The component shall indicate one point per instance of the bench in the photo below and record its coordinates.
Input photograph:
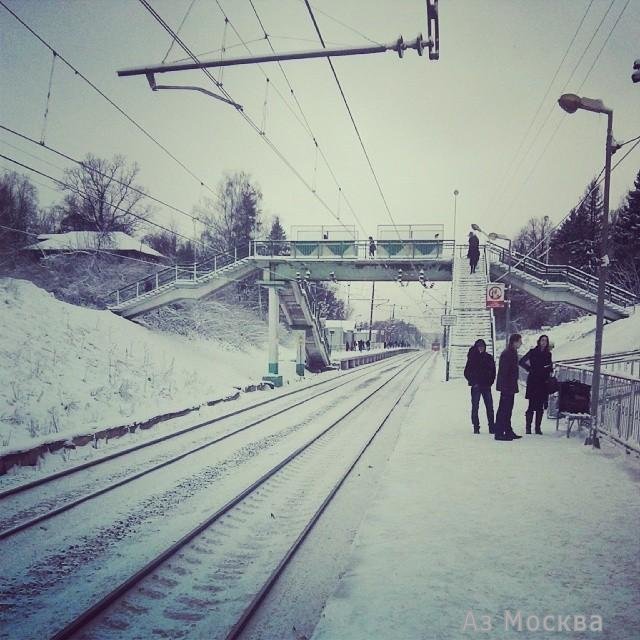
(581, 419)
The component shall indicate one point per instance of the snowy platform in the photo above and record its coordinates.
(533, 537)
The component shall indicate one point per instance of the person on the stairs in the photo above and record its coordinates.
(474, 251)
(372, 247)
(507, 385)
(538, 363)
(480, 372)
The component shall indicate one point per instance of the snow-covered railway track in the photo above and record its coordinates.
(29, 505)
(211, 581)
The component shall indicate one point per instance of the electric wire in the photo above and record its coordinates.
(553, 106)
(108, 99)
(599, 180)
(101, 173)
(306, 120)
(511, 163)
(561, 121)
(242, 113)
(353, 122)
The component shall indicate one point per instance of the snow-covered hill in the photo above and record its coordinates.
(66, 369)
(576, 339)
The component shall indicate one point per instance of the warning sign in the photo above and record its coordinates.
(495, 295)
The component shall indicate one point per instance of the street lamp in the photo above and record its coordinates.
(456, 193)
(507, 321)
(570, 103)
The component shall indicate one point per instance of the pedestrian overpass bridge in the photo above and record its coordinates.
(287, 267)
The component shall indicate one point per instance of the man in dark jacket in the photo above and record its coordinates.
(480, 372)
(473, 252)
(507, 385)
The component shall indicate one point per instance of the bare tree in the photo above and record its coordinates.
(102, 195)
(18, 211)
(531, 237)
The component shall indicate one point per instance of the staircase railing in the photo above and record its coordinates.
(314, 305)
(559, 273)
(194, 272)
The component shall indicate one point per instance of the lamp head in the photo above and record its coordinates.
(475, 227)
(456, 192)
(569, 102)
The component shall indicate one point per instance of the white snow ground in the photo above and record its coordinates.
(461, 523)
(66, 369)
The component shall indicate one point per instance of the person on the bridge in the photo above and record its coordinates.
(372, 247)
(507, 385)
(480, 372)
(538, 363)
(474, 251)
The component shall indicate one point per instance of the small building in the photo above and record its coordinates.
(117, 242)
(341, 332)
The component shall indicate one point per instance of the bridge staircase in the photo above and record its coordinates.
(302, 312)
(474, 320)
(180, 282)
(558, 283)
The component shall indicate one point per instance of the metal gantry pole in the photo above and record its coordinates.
(602, 282)
(373, 295)
(507, 323)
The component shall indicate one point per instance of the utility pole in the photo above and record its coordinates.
(373, 295)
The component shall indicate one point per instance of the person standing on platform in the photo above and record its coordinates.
(507, 385)
(538, 364)
(474, 251)
(372, 247)
(480, 372)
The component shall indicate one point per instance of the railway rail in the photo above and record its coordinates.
(213, 579)
(43, 506)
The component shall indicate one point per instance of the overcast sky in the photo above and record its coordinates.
(429, 127)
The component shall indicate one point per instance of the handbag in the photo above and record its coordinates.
(553, 386)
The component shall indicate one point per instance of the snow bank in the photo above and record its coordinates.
(575, 339)
(66, 369)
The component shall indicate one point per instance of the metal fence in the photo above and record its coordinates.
(618, 406)
(624, 362)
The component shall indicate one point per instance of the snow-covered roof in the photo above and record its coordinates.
(91, 241)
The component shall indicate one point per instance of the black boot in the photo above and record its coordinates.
(476, 429)
(529, 418)
(538, 422)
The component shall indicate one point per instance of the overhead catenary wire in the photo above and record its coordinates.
(101, 173)
(562, 119)
(599, 180)
(107, 98)
(549, 113)
(302, 118)
(241, 112)
(353, 122)
(511, 163)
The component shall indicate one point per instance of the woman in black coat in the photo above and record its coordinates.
(537, 362)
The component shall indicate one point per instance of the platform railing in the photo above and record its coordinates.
(562, 274)
(618, 405)
(623, 362)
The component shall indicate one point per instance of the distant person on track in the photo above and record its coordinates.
(372, 247)
(507, 385)
(474, 251)
(480, 372)
(538, 364)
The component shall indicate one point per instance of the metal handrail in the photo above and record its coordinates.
(626, 363)
(192, 272)
(398, 249)
(559, 273)
(618, 405)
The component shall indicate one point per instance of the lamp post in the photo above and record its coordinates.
(456, 193)
(547, 240)
(570, 103)
(507, 321)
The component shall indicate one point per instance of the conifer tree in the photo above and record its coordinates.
(576, 243)
(625, 238)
